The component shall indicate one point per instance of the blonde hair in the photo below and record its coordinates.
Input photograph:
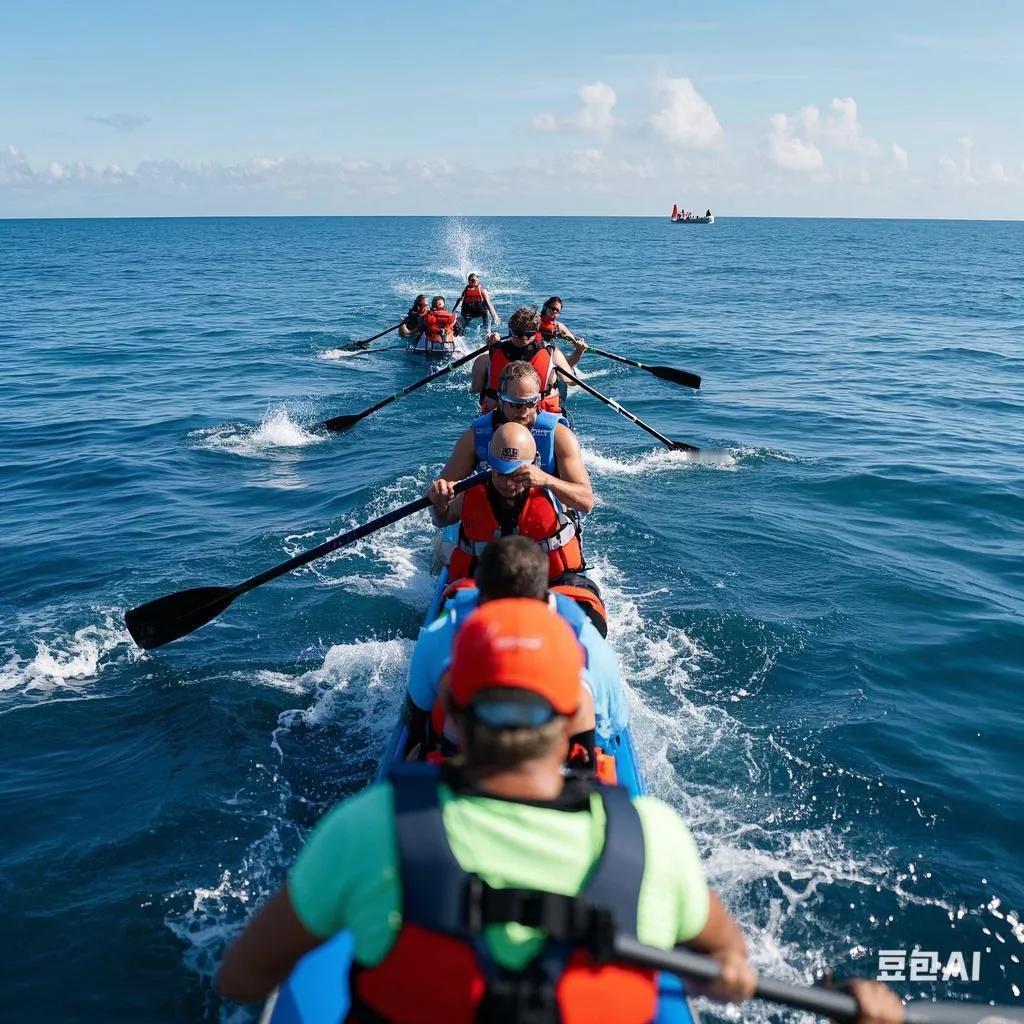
(519, 370)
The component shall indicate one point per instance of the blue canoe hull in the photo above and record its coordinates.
(317, 991)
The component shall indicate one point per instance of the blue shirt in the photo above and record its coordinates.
(433, 652)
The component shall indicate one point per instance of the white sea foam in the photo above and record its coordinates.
(69, 663)
(277, 431)
(660, 460)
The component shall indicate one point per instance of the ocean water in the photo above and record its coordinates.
(821, 628)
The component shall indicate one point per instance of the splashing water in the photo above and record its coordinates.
(661, 460)
(68, 663)
(277, 430)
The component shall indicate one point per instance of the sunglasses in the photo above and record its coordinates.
(526, 400)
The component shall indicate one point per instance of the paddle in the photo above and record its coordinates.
(839, 1005)
(354, 346)
(675, 446)
(176, 615)
(344, 422)
(687, 380)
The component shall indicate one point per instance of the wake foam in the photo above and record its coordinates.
(276, 431)
(69, 663)
(661, 460)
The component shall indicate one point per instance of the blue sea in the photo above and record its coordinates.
(821, 625)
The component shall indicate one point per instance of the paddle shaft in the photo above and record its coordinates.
(669, 373)
(381, 335)
(612, 404)
(355, 418)
(832, 1003)
(350, 537)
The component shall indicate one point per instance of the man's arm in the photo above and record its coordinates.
(722, 939)
(264, 954)
(480, 366)
(579, 347)
(490, 305)
(572, 486)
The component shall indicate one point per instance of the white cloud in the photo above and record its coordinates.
(790, 152)
(120, 122)
(596, 114)
(899, 154)
(685, 119)
(798, 142)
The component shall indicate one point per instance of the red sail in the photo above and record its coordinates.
(675, 212)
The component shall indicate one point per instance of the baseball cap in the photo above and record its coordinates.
(516, 664)
(506, 461)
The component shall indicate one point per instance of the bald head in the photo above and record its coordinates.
(512, 442)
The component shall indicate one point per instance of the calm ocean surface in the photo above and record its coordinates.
(823, 632)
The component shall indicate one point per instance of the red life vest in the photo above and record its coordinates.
(438, 323)
(440, 968)
(548, 328)
(541, 519)
(541, 358)
(473, 300)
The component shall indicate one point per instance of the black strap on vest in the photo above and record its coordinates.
(439, 895)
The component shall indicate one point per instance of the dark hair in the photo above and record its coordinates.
(552, 301)
(477, 276)
(435, 300)
(416, 302)
(512, 567)
(524, 322)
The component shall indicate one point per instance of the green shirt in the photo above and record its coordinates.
(346, 877)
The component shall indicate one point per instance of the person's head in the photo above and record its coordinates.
(523, 324)
(552, 308)
(519, 393)
(473, 280)
(437, 302)
(512, 447)
(515, 682)
(512, 567)
(420, 304)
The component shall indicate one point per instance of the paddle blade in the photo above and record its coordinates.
(684, 446)
(341, 422)
(356, 346)
(169, 618)
(688, 380)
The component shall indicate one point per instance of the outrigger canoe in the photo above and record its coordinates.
(317, 991)
(694, 220)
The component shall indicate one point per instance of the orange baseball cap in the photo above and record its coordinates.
(516, 663)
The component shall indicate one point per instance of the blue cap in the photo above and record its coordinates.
(507, 462)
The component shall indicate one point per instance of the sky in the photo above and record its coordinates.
(825, 108)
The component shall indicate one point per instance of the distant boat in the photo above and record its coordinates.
(685, 217)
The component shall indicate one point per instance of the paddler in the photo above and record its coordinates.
(476, 305)
(412, 325)
(513, 567)
(524, 344)
(416, 867)
(439, 325)
(518, 498)
(559, 464)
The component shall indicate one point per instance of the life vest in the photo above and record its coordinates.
(472, 301)
(541, 518)
(441, 969)
(540, 356)
(543, 433)
(438, 323)
(548, 328)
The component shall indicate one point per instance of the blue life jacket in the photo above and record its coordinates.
(543, 433)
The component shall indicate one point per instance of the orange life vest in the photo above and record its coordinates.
(541, 358)
(541, 519)
(548, 328)
(440, 968)
(438, 323)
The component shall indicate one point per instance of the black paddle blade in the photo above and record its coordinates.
(355, 346)
(688, 380)
(683, 446)
(341, 422)
(169, 618)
